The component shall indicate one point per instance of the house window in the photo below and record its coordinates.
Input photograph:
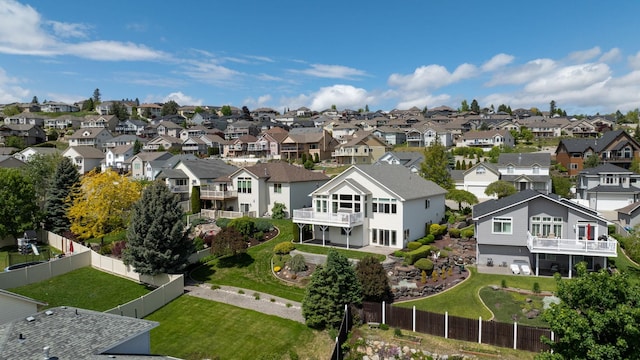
(374, 236)
(502, 225)
(480, 170)
(385, 206)
(277, 188)
(573, 166)
(321, 204)
(546, 226)
(536, 169)
(627, 153)
(406, 234)
(244, 208)
(181, 182)
(510, 169)
(427, 203)
(244, 185)
(386, 237)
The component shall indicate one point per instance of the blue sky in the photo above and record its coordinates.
(585, 54)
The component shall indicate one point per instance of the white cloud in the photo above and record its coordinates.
(9, 91)
(24, 32)
(584, 55)
(569, 78)
(210, 72)
(497, 62)
(262, 101)
(610, 56)
(431, 77)
(65, 98)
(634, 61)
(182, 99)
(342, 96)
(426, 100)
(523, 73)
(331, 71)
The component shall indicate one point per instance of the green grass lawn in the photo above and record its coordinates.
(85, 288)
(464, 301)
(9, 255)
(252, 270)
(507, 306)
(193, 328)
(351, 254)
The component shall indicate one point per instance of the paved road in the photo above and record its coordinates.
(267, 304)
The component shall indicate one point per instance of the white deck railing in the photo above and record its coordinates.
(308, 215)
(572, 246)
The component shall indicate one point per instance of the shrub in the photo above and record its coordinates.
(503, 283)
(536, 288)
(429, 239)
(611, 229)
(244, 225)
(223, 222)
(443, 254)
(198, 243)
(278, 211)
(240, 291)
(256, 296)
(434, 229)
(412, 245)
(259, 235)
(422, 252)
(424, 265)
(117, 247)
(384, 327)
(454, 233)
(284, 248)
(105, 249)
(466, 233)
(297, 263)
(198, 221)
(262, 225)
(277, 268)
(397, 332)
(399, 253)
(308, 164)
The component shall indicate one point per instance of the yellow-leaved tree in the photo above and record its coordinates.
(102, 204)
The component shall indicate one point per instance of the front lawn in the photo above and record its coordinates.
(85, 288)
(194, 328)
(463, 300)
(350, 254)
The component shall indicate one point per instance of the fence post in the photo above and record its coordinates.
(480, 330)
(446, 324)
(384, 313)
(553, 338)
(515, 335)
(414, 319)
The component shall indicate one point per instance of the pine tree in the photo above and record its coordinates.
(374, 280)
(65, 179)
(157, 240)
(332, 286)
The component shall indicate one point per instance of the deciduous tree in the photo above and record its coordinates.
(591, 161)
(228, 242)
(41, 170)
(434, 167)
(226, 110)
(500, 189)
(598, 317)
(169, 108)
(18, 206)
(461, 196)
(332, 286)
(157, 240)
(65, 179)
(102, 204)
(374, 280)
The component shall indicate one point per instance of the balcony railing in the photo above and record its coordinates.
(572, 246)
(179, 188)
(218, 194)
(309, 216)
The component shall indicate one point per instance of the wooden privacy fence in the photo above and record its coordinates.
(514, 336)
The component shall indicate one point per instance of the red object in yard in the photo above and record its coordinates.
(588, 231)
(71, 246)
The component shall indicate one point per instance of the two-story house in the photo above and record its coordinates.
(476, 179)
(409, 159)
(362, 147)
(308, 141)
(108, 122)
(116, 158)
(96, 137)
(526, 171)
(131, 127)
(30, 134)
(85, 158)
(550, 233)
(187, 173)
(613, 147)
(142, 164)
(486, 140)
(607, 187)
(383, 205)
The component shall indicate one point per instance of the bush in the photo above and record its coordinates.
(424, 265)
(117, 247)
(105, 250)
(412, 245)
(244, 225)
(278, 211)
(467, 233)
(399, 253)
(284, 248)
(429, 239)
(308, 164)
(262, 225)
(297, 263)
(443, 254)
(536, 288)
(454, 233)
(198, 221)
(397, 332)
(384, 327)
(259, 235)
(223, 222)
(198, 243)
(422, 252)
(503, 283)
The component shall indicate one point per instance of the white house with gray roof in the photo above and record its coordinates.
(607, 187)
(384, 205)
(526, 171)
(548, 232)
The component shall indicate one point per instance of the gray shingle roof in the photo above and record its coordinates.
(527, 159)
(605, 168)
(613, 189)
(402, 181)
(282, 172)
(69, 335)
(209, 168)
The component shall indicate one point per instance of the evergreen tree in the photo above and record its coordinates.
(157, 240)
(195, 200)
(88, 105)
(137, 146)
(374, 280)
(475, 107)
(434, 167)
(169, 108)
(65, 179)
(96, 97)
(332, 286)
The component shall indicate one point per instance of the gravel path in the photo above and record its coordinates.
(267, 304)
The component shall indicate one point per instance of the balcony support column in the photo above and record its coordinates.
(570, 265)
(300, 226)
(537, 264)
(348, 231)
(323, 228)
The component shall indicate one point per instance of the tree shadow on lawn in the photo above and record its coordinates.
(239, 261)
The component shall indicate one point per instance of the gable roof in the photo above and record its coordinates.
(87, 152)
(283, 172)
(605, 168)
(491, 206)
(208, 168)
(526, 159)
(6, 293)
(400, 180)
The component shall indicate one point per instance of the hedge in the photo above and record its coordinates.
(413, 245)
(419, 253)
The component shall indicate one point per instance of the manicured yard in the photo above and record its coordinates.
(507, 306)
(351, 254)
(194, 328)
(253, 269)
(85, 288)
(464, 301)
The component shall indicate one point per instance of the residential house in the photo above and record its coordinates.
(150, 111)
(131, 127)
(25, 118)
(63, 122)
(187, 173)
(193, 131)
(412, 160)
(629, 216)
(476, 179)
(238, 147)
(168, 128)
(360, 148)
(486, 139)
(545, 231)
(194, 145)
(116, 158)
(308, 141)
(14, 306)
(581, 129)
(392, 135)
(425, 134)
(241, 128)
(214, 142)
(383, 205)
(341, 131)
(162, 143)
(613, 147)
(85, 158)
(271, 140)
(72, 333)
(124, 140)
(57, 107)
(30, 134)
(10, 162)
(261, 186)
(142, 164)
(607, 187)
(526, 171)
(109, 122)
(27, 154)
(93, 137)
